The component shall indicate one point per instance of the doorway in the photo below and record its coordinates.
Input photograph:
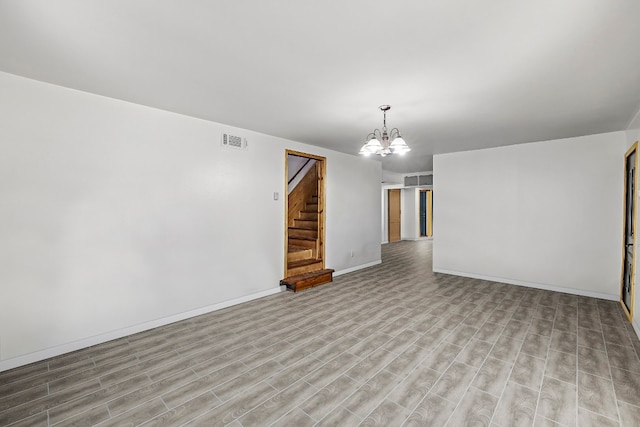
(305, 213)
(394, 213)
(426, 213)
(629, 227)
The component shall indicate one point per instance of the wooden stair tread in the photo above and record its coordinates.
(294, 248)
(303, 281)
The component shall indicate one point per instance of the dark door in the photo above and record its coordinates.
(626, 296)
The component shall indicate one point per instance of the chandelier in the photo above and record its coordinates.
(377, 142)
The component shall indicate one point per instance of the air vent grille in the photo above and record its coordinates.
(415, 180)
(233, 141)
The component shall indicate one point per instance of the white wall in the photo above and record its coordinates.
(410, 211)
(390, 178)
(384, 216)
(116, 217)
(545, 214)
(352, 203)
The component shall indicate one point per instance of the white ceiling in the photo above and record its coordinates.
(460, 74)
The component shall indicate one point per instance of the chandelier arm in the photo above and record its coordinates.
(376, 134)
(397, 133)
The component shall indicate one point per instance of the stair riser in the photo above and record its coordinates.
(304, 243)
(304, 269)
(300, 255)
(313, 216)
(303, 233)
(311, 207)
(306, 223)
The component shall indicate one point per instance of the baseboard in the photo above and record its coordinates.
(356, 268)
(410, 239)
(109, 336)
(573, 291)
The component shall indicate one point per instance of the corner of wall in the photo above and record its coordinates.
(356, 268)
(635, 121)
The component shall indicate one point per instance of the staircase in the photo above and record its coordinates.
(305, 248)
(303, 251)
(304, 258)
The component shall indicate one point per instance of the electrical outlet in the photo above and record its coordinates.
(351, 253)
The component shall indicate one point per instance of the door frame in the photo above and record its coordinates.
(629, 311)
(429, 212)
(322, 173)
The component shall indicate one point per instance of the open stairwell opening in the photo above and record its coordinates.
(304, 260)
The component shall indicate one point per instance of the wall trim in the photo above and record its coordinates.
(39, 356)
(636, 327)
(581, 292)
(356, 268)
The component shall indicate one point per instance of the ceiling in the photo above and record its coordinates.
(460, 74)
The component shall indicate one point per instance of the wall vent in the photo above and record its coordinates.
(415, 180)
(233, 141)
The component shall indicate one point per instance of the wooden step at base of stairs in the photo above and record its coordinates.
(304, 281)
(298, 253)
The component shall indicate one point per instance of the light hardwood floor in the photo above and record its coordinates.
(391, 345)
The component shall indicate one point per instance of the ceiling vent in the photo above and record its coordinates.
(233, 141)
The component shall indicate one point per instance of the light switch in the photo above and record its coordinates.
(276, 195)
